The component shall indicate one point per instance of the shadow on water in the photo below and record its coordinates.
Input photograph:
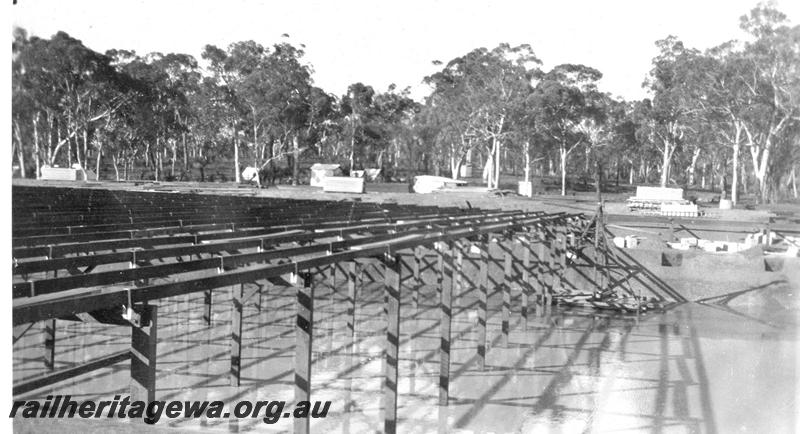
(562, 370)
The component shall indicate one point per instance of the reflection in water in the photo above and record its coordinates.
(693, 368)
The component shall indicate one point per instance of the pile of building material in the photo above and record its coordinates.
(370, 174)
(321, 171)
(428, 184)
(662, 201)
(627, 242)
(674, 209)
(66, 174)
(618, 304)
(342, 184)
(710, 246)
(373, 174)
(249, 173)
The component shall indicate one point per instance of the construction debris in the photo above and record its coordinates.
(320, 171)
(428, 184)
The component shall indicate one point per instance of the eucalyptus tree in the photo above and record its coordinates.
(671, 109)
(479, 92)
(444, 122)
(394, 113)
(773, 81)
(562, 102)
(624, 144)
(160, 101)
(356, 107)
(69, 85)
(182, 75)
(320, 128)
(213, 125)
(289, 110)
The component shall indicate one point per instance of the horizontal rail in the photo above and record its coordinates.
(46, 286)
(49, 378)
(48, 306)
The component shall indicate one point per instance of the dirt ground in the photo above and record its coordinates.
(472, 195)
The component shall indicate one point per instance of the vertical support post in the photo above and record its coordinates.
(561, 254)
(458, 279)
(483, 299)
(391, 278)
(261, 288)
(562, 245)
(303, 345)
(671, 235)
(525, 284)
(50, 344)
(417, 277)
(768, 229)
(50, 337)
(332, 276)
(552, 283)
(353, 274)
(207, 306)
(539, 269)
(445, 307)
(237, 295)
(506, 294)
(144, 338)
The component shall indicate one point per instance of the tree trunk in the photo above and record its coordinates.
(116, 169)
(598, 181)
(630, 174)
(37, 171)
(85, 161)
(69, 150)
(587, 158)
(703, 176)
(745, 180)
(735, 185)
(488, 169)
(642, 171)
(36, 145)
(237, 176)
(157, 166)
(454, 164)
(762, 175)
(527, 161)
(352, 146)
(97, 163)
(693, 165)
(497, 163)
(562, 152)
(159, 159)
(174, 158)
(296, 159)
(185, 153)
(20, 150)
(665, 163)
(49, 120)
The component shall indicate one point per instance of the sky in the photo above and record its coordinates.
(382, 42)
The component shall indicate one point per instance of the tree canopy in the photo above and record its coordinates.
(729, 115)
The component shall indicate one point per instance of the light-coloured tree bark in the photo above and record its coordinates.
(237, 175)
(693, 165)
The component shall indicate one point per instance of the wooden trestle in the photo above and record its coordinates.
(87, 255)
